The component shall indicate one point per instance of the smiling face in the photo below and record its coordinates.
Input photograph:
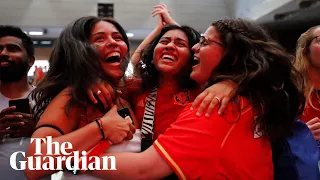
(14, 60)
(172, 53)
(111, 47)
(208, 54)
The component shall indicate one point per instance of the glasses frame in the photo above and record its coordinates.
(204, 38)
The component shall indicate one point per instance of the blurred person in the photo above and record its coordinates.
(267, 103)
(308, 63)
(88, 49)
(16, 128)
(38, 75)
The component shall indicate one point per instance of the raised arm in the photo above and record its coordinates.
(164, 18)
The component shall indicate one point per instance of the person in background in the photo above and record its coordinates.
(16, 128)
(308, 64)
(235, 145)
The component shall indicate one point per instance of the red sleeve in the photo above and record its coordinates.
(192, 143)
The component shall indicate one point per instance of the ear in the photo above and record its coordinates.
(31, 60)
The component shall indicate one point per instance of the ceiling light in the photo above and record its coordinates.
(36, 33)
(130, 34)
(45, 42)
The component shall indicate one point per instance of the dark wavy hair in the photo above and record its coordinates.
(263, 72)
(74, 63)
(7, 30)
(148, 71)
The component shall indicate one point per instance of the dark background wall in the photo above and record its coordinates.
(288, 30)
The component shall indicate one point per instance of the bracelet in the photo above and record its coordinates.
(100, 127)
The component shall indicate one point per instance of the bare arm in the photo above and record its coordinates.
(55, 115)
(163, 19)
(141, 162)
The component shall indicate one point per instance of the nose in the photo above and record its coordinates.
(196, 48)
(4, 52)
(111, 42)
(170, 46)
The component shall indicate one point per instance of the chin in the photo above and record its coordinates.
(115, 76)
(198, 79)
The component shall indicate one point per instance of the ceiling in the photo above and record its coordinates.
(134, 15)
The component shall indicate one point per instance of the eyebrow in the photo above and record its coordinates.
(179, 39)
(102, 32)
(10, 44)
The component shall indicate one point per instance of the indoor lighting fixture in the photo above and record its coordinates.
(130, 34)
(46, 42)
(36, 33)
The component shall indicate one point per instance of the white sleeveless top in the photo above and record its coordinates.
(134, 145)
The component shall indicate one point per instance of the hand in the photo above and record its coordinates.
(314, 126)
(105, 93)
(27, 127)
(116, 128)
(4, 117)
(164, 15)
(15, 124)
(219, 93)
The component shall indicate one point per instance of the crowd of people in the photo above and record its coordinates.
(205, 106)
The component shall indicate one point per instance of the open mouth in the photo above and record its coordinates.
(168, 57)
(113, 58)
(195, 61)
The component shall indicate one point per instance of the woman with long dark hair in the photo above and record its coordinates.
(236, 145)
(88, 49)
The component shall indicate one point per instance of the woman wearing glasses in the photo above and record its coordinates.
(308, 63)
(165, 67)
(237, 144)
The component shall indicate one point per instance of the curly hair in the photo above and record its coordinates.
(263, 72)
(148, 71)
(74, 63)
(302, 62)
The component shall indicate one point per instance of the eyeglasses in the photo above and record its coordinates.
(317, 39)
(205, 41)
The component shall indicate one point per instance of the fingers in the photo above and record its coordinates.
(7, 111)
(315, 126)
(10, 117)
(24, 115)
(198, 100)
(102, 99)
(204, 104)
(132, 128)
(156, 12)
(108, 93)
(91, 97)
(129, 136)
(214, 102)
(15, 124)
(313, 121)
(224, 103)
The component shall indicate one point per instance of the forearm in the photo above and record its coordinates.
(128, 166)
(137, 53)
(136, 166)
(76, 138)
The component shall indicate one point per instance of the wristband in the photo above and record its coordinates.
(100, 127)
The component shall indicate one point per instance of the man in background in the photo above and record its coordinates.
(16, 128)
